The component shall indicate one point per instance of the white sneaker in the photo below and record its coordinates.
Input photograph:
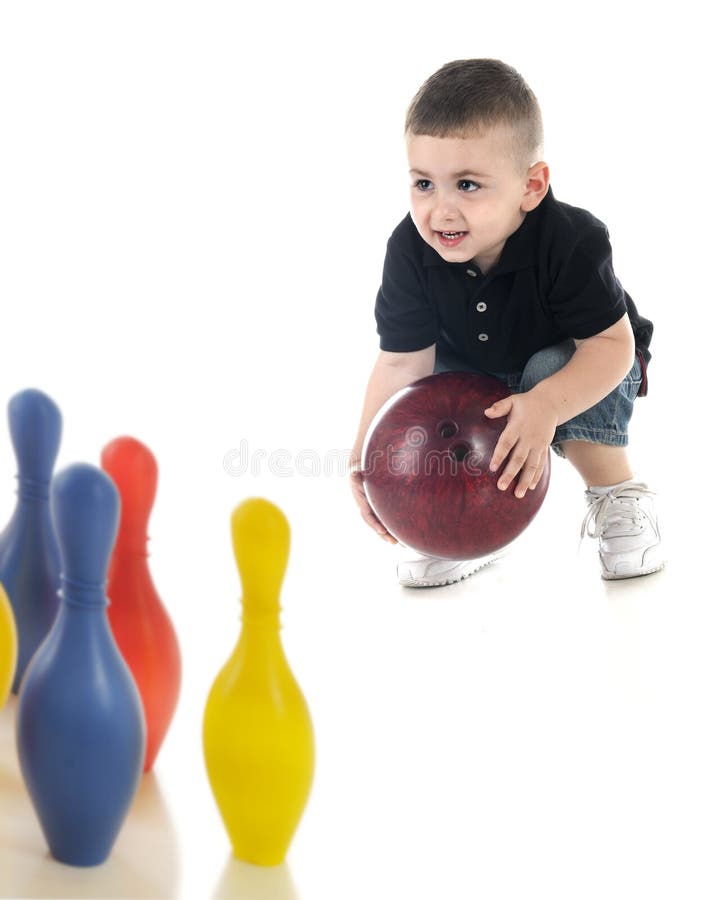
(427, 571)
(623, 519)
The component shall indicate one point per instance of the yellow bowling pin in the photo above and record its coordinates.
(8, 646)
(257, 731)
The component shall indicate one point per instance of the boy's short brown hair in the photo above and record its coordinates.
(467, 95)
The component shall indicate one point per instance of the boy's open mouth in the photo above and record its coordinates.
(450, 238)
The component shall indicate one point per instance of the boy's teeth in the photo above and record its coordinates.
(451, 234)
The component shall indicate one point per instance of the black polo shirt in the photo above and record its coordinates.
(554, 280)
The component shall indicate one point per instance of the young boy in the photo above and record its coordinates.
(490, 273)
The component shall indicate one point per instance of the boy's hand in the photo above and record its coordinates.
(524, 441)
(358, 491)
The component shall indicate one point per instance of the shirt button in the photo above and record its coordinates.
(481, 307)
(482, 337)
(471, 272)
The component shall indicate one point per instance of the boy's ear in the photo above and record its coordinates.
(536, 186)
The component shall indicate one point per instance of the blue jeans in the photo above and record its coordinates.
(605, 423)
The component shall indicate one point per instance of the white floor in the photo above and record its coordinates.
(531, 732)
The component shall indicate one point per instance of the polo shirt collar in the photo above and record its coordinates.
(520, 250)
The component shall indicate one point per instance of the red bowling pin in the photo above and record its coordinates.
(140, 623)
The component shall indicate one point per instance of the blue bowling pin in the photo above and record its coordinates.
(29, 556)
(80, 725)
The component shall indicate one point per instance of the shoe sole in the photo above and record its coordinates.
(421, 583)
(608, 576)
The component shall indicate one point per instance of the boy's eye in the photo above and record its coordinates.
(466, 185)
(423, 184)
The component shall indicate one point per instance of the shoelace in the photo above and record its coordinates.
(609, 509)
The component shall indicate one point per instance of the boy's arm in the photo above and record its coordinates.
(391, 373)
(596, 368)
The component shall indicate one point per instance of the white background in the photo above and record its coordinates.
(194, 205)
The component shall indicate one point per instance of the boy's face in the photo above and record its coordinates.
(468, 195)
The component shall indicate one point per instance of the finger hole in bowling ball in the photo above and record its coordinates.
(459, 451)
(447, 428)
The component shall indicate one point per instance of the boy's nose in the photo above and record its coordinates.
(444, 208)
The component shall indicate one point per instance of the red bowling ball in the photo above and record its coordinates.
(426, 471)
